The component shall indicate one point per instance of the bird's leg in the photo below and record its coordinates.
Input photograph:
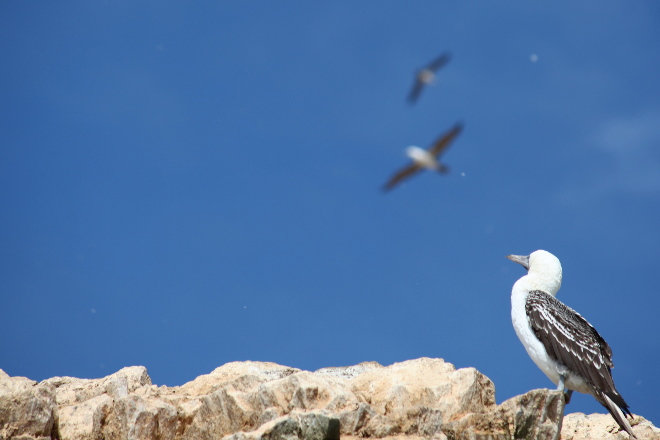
(561, 387)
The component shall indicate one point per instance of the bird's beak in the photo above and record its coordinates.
(523, 260)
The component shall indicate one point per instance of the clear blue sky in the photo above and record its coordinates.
(186, 184)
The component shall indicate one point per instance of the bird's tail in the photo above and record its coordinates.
(616, 412)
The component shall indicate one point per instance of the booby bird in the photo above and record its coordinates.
(425, 159)
(559, 340)
(426, 75)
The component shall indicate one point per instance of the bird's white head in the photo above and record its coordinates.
(543, 271)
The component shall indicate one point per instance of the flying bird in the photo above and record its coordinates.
(425, 159)
(426, 76)
(559, 340)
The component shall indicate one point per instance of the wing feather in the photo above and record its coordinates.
(570, 340)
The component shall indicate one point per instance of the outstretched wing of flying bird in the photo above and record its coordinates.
(415, 91)
(439, 62)
(402, 174)
(443, 142)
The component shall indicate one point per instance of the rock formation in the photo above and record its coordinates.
(422, 398)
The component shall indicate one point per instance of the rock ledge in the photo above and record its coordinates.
(421, 398)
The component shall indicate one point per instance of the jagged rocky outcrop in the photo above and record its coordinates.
(422, 398)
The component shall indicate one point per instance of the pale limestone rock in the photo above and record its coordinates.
(70, 390)
(415, 398)
(239, 375)
(317, 425)
(85, 404)
(412, 400)
(349, 372)
(579, 426)
(84, 420)
(533, 415)
(135, 418)
(243, 403)
(425, 382)
(27, 409)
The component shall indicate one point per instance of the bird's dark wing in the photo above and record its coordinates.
(443, 142)
(571, 340)
(404, 173)
(415, 91)
(439, 62)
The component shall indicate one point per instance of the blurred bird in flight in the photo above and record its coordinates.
(426, 76)
(425, 159)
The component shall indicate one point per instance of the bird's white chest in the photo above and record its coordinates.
(532, 345)
(422, 157)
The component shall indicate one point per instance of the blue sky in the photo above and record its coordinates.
(187, 184)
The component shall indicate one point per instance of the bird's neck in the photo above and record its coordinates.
(548, 283)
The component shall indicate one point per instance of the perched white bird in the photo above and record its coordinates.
(560, 341)
(425, 159)
(426, 76)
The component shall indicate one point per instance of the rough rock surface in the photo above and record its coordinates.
(27, 409)
(421, 398)
(580, 426)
